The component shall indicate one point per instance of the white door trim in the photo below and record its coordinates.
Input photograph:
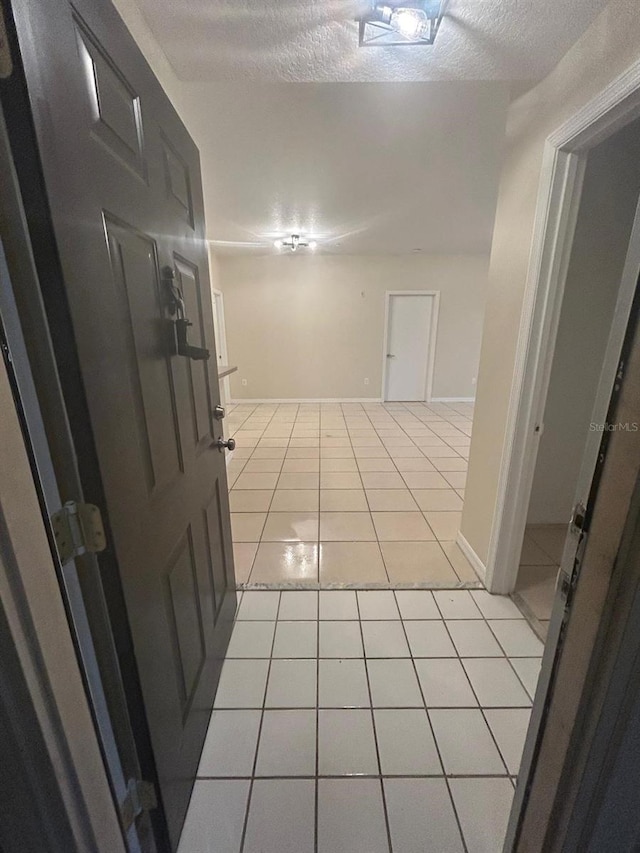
(561, 179)
(221, 345)
(433, 333)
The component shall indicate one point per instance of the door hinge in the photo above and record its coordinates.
(6, 60)
(140, 797)
(578, 516)
(78, 529)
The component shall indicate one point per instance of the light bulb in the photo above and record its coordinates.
(313, 245)
(411, 23)
(278, 244)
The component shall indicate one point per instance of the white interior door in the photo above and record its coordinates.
(408, 346)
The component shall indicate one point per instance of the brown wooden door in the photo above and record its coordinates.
(123, 182)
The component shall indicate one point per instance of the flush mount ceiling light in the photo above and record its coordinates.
(401, 23)
(295, 242)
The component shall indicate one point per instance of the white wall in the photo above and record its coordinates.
(607, 210)
(312, 326)
(608, 48)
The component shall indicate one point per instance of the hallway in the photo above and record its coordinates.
(339, 495)
(424, 697)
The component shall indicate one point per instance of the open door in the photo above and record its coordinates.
(133, 317)
(542, 808)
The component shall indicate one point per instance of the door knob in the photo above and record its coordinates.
(220, 443)
(219, 413)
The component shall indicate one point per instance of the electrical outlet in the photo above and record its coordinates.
(244, 381)
(366, 381)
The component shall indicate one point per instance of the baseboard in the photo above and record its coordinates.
(476, 563)
(452, 400)
(298, 400)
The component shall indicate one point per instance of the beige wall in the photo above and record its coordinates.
(312, 326)
(608, 47)
(605, 219)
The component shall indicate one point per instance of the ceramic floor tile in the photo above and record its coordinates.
(263, 466)
(298, 481)
(450, 463)
(351, 816)
(303, 451)
(425, 480)
(421, 816)
(444, 684)
(456, 604)
(266, 452)
(262, 606)
(256, 481)
(533, 555)
(495, 683)
(550, 537)
(529, 671)
(393, 684)
(340, 640)
(342, 684)
(382, 480)
(287, 744)
(290, 527)
(281, 817)
(465, 742)
(390, 500)
(245, 500)
(336, 453)
(243, 556)
(230, 745)
(432, 500)
(351, 562)
(457, 479)
(374, 604)
(247, 526)
(340, 480)
(384, 640)
(338, 604)
(461, 565)
(285, 561)
(215, 818)
(495, 606)
(472, 638)
(414, 465)
(346, 745)
(301, 466)
(405, 743)
(397, 453)
(417, 604)
(383, 466)
(298, 605)
(295, 640)
(251, 640)
(509, 727)
(242, 684)
(401, 527)
(483, 807)
(516, 638)
(536, 585)
(339, 465)
(346, 527)
(429, 639)
(343, 500)
(417, 562)
(370, 452)
(295, 500)
(445, 525)
(292, 684)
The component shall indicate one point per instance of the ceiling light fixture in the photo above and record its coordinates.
(401, 23)
(295, 242)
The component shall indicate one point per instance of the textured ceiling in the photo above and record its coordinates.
(316, 40)
(364, 167)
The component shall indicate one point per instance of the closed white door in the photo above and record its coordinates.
(408, 347)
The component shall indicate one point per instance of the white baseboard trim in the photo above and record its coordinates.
(294, 400)
(476, 563)
(452, 400)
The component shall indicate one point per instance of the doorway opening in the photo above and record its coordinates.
(410, 330)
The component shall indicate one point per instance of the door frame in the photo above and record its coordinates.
(433, 333)
(221, 345)
(560, 189)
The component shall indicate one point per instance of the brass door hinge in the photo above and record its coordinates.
(78, 529)
(140, 797)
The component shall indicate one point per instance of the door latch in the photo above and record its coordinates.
(180, 323)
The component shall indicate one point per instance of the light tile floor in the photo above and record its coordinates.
(365, 722)
(366, 495)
